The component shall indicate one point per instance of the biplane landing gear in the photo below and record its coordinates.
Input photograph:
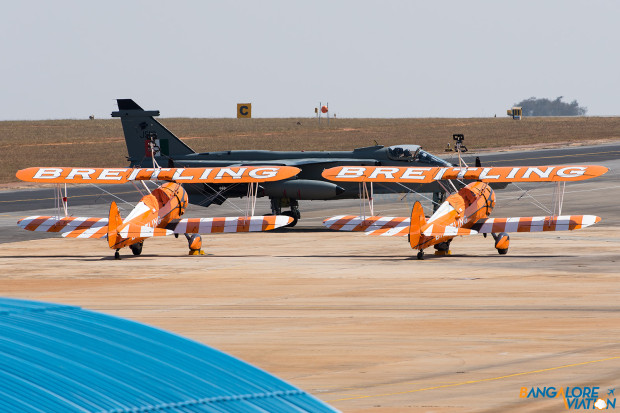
(502, 240)
(421, 255)
(136, 248)
(443, 249)
(195, 244)
(117, 255)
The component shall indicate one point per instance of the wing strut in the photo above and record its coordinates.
(62, 201)
(366, 195)
(252, 195)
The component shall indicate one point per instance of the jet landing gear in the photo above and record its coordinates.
(278, 203)
(195, 244)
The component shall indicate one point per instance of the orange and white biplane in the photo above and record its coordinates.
(158, 212)
(466, 211)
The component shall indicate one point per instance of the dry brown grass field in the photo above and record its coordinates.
(100, 143)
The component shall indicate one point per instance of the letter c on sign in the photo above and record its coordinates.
(244, 110)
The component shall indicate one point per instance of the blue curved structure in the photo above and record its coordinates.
(58, 358)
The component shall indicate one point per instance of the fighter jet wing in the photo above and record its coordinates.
(303, 161)
(228, 224)
(534, 224)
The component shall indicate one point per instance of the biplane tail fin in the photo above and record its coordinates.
(114, 221)
(418, 220)
(140, 127)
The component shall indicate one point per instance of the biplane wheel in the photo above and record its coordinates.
(421, 255)
(117, 255)
(502, 251)
(136, 248)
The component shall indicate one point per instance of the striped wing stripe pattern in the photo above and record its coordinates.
(73, 227)
(535, 224)
(374, 225)
(229, 224)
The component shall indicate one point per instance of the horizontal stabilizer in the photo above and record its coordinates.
(142, 231)
(228, 224)
(373, 225)
(436, 230)
(224, 175)
(82, 227)
(490, 174)
(535, 224)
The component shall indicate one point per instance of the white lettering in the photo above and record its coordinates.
(538, 172)
(485, 174)
(84, 173)
(111, 174)
(48, 173)
(231, 173)
(571, 171)
(513, 173)
(414, 173)
(177, 175)
(133, 174)
(263, 173)
(351, 172)
(206, 173)
(388, 173)
(440, 174)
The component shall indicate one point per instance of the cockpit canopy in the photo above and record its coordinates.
(411, 153)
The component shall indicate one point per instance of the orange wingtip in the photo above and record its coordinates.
(489, 174)
(238, 174)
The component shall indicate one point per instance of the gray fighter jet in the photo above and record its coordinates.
(148, 141)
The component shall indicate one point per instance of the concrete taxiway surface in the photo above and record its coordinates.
(357, 320)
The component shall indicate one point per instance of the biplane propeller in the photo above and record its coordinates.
(465, 211)
(158, 212)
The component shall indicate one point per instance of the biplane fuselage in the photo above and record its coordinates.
(155, 210)
(460, 210)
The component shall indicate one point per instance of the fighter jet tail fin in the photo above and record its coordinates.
(146, 137)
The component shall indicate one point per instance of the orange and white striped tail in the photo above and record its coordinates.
(228, 224)
(374, 225)
(535, 224)
(74, 227)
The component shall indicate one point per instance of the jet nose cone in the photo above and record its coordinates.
(339, 190)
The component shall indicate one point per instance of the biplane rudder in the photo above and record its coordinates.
(114, 221)
(418, 220)
(140, 127)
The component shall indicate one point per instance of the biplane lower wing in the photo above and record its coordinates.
(72, 227)
(534, 224)
(373, 225)
(228, 224)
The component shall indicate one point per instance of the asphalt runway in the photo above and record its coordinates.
(357, 320)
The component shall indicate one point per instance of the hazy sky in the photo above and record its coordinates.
(70, 59)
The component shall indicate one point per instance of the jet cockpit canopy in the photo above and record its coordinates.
(411, 153)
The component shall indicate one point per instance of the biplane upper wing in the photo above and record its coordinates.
(490, 174)
(534, 224)
(224, 175)
(72, 227)
(228, 224)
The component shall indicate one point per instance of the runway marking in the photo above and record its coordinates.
(474, 381)
(74, 196)
(554, 156)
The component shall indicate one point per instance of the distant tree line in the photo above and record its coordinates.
(545, 107)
